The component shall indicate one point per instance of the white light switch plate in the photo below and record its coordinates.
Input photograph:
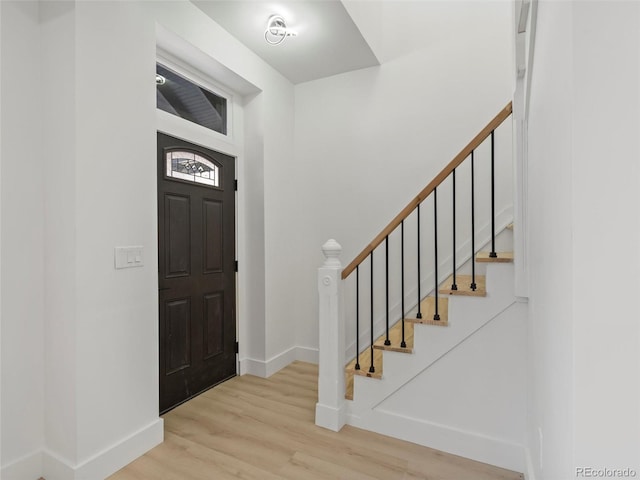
(127, 257)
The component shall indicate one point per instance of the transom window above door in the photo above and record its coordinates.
(191, 167)
(183, 98)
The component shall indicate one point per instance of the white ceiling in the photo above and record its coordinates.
(336, 36)
(328, 41)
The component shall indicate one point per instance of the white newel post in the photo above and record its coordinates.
(331, 406)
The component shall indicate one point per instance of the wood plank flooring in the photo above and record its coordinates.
(263, 429)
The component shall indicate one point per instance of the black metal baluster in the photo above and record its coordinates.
(358, 317)
(454, 285)
(372, 369)
(403, 344)
(386, 263)
(473, 285)
(493, 253)
(419, 314)
(436, 316)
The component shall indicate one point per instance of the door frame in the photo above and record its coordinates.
(231, 145)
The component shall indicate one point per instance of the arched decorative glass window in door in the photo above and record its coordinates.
(191, 167)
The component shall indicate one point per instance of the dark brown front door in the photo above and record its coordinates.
(196, 258)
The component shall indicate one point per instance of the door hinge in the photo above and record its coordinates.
(235, 185)
(237, 348)
(235, 265)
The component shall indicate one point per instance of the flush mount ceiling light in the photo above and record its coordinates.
(277, 30)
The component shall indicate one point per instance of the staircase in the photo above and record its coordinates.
(448, 373)
(463, 283)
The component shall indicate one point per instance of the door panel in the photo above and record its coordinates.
(214, 320)
(196, 256)
(178, 339)
(177, 235)
(213, 228)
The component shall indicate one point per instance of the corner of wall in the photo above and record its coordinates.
(266, 368)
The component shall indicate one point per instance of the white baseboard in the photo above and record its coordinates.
(264, 369)
(48, 465)
(493, 451)
(330, 417)
(251, 366)
(278, 362)
(122, 453)
(26, 468)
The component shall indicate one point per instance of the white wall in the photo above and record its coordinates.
(606, 233)
(22, 240)
(584, 396)
(368, 141)
(280, 204)
(117, 311)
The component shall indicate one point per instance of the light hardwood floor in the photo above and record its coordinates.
(255, 428)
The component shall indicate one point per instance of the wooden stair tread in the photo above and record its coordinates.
(503, 257)
(427, 308)
(463, 283)
(395, 336)
(365, 362)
